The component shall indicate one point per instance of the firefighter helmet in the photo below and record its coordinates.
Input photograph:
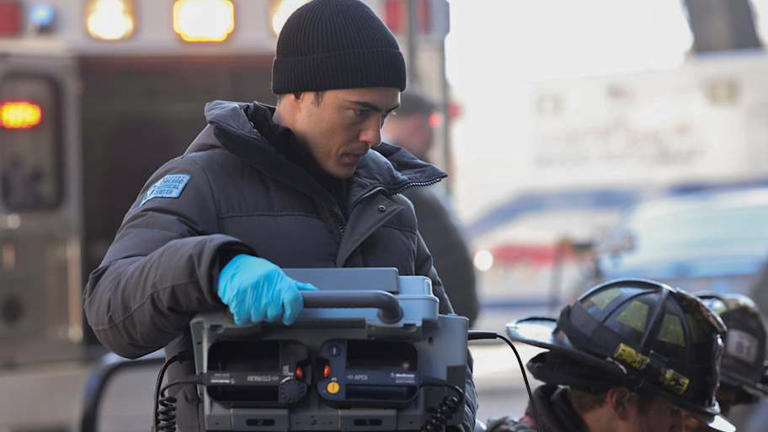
(637, 333)
(743, 368)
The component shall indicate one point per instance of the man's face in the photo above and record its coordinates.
(342, 125)
(658, 415)
(693, 425)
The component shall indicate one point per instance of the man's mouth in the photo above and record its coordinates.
(351, 158)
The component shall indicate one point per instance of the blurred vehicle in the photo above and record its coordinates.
(702, 241)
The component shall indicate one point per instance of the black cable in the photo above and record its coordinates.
(164, 410)
(447, 408)
(155, 421)
(166, 416)
(476, 335)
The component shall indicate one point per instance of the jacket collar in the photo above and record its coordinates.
(555, 411)
(386, 167)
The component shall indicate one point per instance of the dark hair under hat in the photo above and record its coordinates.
(336, 44)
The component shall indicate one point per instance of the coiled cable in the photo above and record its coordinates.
(168, 424)
(164, 414)
(447, 408)
(165, 420)
(166, 407)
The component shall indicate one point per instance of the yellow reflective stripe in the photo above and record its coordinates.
(674, 381)
(628, 355)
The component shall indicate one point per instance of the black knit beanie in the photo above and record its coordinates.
(336, 44)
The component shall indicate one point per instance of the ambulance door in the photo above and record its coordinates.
(40, 265)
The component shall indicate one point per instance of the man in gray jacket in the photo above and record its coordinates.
(305, 184)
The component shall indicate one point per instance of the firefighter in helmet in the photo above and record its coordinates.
(629, 355)
(743, 377)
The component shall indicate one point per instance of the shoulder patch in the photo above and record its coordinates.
(170, 186)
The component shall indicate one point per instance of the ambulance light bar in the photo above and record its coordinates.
(203, 20)
(109, 19)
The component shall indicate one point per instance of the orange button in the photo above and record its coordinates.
(333, 387)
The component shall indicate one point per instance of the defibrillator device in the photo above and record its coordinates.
(369, 352)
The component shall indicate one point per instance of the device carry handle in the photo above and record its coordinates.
(387, 304)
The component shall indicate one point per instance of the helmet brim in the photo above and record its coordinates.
(717, 422)
(540, 332)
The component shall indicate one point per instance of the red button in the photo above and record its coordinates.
(299, 373)
(327, 371)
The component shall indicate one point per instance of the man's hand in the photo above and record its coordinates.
(257, 290)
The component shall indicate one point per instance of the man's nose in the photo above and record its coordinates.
(371, 133)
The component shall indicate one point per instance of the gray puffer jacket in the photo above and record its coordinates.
(231, 193)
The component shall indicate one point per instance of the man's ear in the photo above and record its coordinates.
(622, 402)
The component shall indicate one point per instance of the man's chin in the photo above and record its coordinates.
(342, 172)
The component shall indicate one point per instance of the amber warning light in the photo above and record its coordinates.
(20, 114)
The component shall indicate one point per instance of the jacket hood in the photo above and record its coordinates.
(385, 166)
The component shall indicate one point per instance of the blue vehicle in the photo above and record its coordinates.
(708, 240)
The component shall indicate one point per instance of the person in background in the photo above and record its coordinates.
(743, 378)
(629, 355)
(412, 128)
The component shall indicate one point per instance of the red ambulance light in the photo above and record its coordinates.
(435, 120)
(395, 15)
(20, 114)
(10, 18)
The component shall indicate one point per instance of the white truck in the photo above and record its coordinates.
(704, 121)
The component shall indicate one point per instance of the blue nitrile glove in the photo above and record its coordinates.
(257, 290)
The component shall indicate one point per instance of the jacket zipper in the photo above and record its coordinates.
(418, 184)
(340, 223)
(396, 191)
